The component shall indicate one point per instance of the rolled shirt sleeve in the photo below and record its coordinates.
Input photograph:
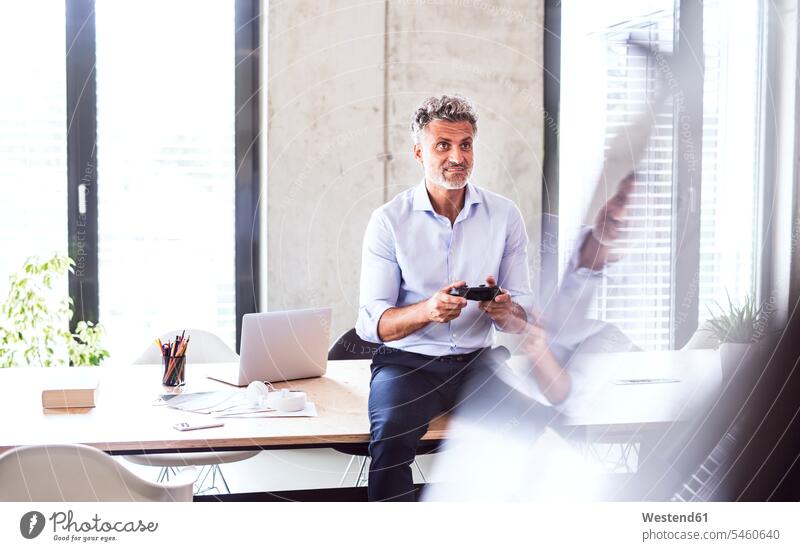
(514, 274)
(380, 277)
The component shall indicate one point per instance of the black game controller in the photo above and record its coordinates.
(481, 292)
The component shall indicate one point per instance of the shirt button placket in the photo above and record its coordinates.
(450, 278)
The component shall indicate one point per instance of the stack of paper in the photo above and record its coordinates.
(229, 404)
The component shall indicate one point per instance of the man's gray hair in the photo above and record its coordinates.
(445, 108)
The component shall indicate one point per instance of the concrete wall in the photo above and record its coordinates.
(343, 78)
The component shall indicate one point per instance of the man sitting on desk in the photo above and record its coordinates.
(443, 233)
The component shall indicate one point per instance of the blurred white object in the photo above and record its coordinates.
(479, 464)
(501, 445)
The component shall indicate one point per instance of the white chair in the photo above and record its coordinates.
(701, 339)
(74, 472)
(204, 347)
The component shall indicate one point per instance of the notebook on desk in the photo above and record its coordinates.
(281, 346)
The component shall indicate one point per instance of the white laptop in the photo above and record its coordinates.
(281, 346)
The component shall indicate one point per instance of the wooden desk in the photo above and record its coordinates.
(126, 421)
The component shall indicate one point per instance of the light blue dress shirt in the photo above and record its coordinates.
(410, 252)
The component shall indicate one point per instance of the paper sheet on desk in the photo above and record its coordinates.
(309, 411)
(202, 402)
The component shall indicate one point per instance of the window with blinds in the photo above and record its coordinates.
(605, 86)
(635, 296)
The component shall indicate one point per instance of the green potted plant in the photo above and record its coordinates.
(737, 330)
(34, 320)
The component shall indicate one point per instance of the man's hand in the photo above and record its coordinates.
(534, 339)
(607, 228)
(443, 307)
(505, 313)
(398, 323)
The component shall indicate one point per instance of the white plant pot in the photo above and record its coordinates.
(735, 355)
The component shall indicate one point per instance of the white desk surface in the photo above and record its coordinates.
(126, 421)
(597, 399)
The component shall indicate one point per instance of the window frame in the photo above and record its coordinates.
(81, 94)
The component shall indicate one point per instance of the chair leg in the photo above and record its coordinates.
(361, 471)
(218, 470)
(199, 485)
(421, 474)
(166, 474)
(347, 471)
(163, 475)
(213, 471)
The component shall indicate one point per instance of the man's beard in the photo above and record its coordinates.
(440, 180)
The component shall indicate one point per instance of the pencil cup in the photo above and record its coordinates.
(174, 370)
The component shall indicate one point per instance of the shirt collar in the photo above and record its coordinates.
(423, 202)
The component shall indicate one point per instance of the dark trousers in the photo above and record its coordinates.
(407, 390)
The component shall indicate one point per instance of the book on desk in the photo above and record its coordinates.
(76, 391)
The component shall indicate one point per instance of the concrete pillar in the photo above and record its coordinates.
(343, 79)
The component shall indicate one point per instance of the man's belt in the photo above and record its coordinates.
(463, 358)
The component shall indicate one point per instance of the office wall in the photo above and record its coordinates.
(342, 81)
